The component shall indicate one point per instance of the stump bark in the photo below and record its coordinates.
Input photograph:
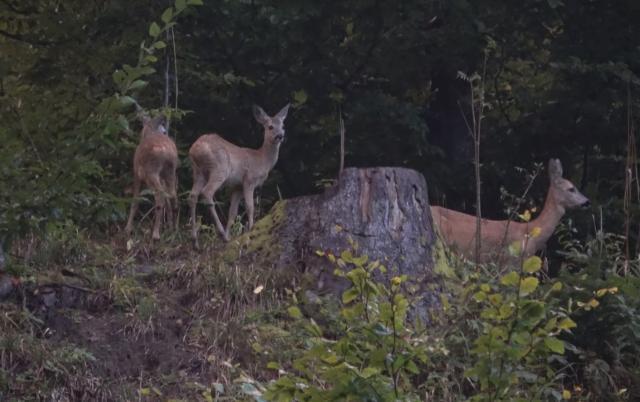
(384, 210)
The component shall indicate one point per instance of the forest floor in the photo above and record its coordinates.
(122, 319)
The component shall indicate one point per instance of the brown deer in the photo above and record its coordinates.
(458, 230)
(216, 162)
(154, 164)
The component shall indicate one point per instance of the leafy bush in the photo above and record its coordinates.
(608, 338)
(378, 352)
(500, 333)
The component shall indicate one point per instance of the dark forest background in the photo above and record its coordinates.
(559, 79)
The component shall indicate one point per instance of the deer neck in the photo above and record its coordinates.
(547, 221)
(269, 152)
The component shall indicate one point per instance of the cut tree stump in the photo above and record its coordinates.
(384, 210)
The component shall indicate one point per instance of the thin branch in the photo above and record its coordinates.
(342, 135)
(175, 67)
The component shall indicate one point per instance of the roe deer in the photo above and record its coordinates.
(458, 230)
(154, 164)
(216, 162)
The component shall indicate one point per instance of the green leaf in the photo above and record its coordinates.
(353, 312)
(555, 345)
(167, 15)
(194, 2)
(532, 264)
(159, 45)
(137, 84)
(510, 279)
(300, 97)
(567, 324)
(369, 371)
(313, 328)
(126, 101)
(349, 295)
(480, 296)
(154, 30)
(528, 285)
(181, 5)
(411, 367)
(347, 256)
(119, 77)
(331, 359)
(532, 312)
(294, 312)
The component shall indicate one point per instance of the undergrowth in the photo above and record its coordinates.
(197, 328)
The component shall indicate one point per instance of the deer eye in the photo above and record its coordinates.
(270, 127)
(572, 190)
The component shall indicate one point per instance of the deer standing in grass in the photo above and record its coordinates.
(217, 162)
(458, 230)
(154, 164)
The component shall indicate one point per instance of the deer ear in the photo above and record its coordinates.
(259, 114)
(282, 114)
(555, 169)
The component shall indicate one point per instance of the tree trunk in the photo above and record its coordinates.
(384, 210)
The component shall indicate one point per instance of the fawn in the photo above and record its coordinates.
(154, 163)
(217, 162)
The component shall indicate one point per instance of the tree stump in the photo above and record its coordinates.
(384, 210)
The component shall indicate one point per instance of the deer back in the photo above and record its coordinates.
(156, 154)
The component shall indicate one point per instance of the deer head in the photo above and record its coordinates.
(273, 126)
(152, 125)
(565, 194)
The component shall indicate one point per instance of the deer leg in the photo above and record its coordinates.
(248, 203)
(175, 205)
(171, 206)
(209, 190)
(134, 205)
(233, 208)
(198, 184)
(160, 198)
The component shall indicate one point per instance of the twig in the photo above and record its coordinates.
(342, 134)
(167, 91)
(175, 68)
(631, 174)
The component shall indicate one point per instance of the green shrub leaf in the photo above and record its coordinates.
(532, 264)
(554, 344)
(528, 285)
